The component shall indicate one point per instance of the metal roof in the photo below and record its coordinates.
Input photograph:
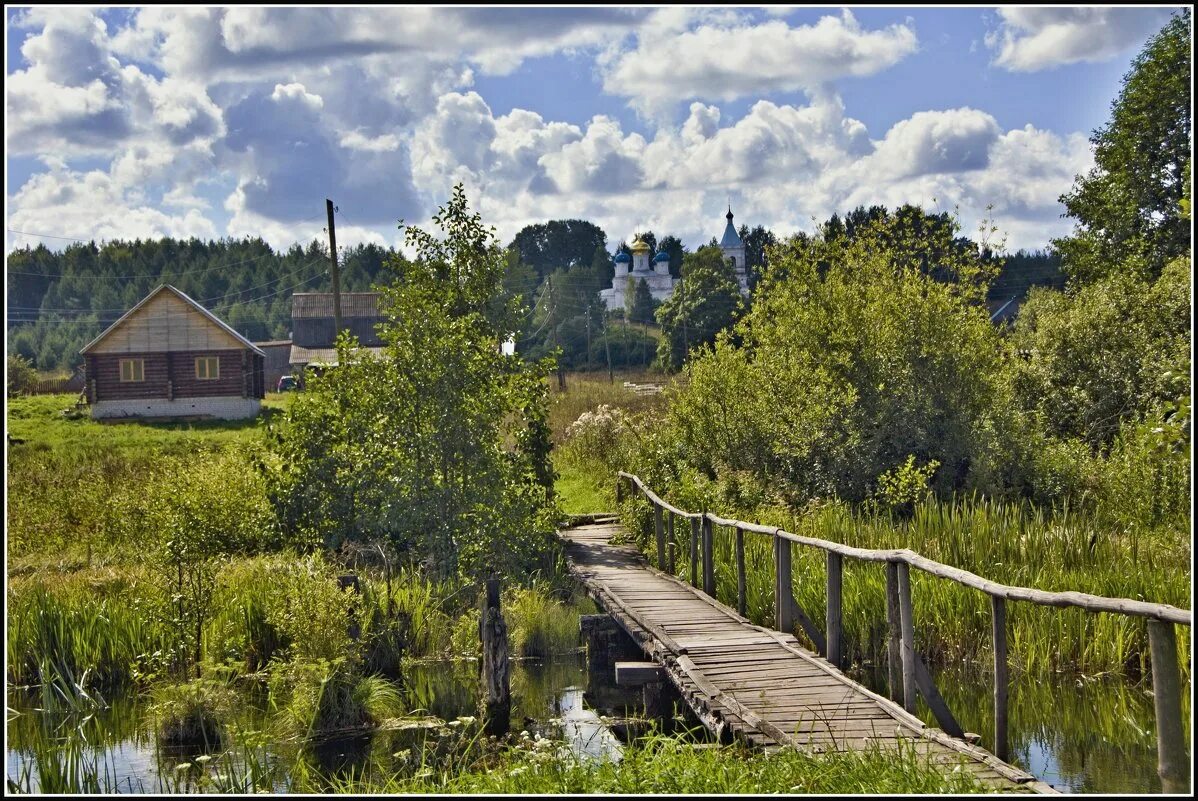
(320, 304)
(324, 356)
(193, 303)
(731, 239)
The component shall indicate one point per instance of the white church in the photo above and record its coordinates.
(655, 272)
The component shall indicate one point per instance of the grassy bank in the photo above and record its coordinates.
(671, 766)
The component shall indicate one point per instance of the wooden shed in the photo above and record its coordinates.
(314, 334)
(168, 356)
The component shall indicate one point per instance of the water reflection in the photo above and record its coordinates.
(1088, 736)
(1096, 736)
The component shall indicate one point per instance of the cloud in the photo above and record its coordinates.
(290, 157)
(276, 109)
(1031, 39)
(76, 98)
(783, 166)
(95, 205)
(731, 59)
(957, 140)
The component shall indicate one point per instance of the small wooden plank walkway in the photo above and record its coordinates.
(751, 682)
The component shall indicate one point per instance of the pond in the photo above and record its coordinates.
(1079, 735)
(1089, 736)
(114, 748)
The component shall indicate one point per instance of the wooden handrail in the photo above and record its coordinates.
(1091, 603)
(1172, 759)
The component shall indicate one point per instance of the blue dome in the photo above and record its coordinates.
(661, 256)
(623, 258)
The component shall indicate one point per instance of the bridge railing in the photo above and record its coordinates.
(905, 668)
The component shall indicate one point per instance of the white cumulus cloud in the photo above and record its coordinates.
(724, 61)
(1031, 39)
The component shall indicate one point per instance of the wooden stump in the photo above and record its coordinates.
(497, 700)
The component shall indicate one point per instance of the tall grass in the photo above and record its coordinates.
(586, 392)
(665, 765)
(93, 629)
(540, 625)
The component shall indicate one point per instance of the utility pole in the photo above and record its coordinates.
(624, 326)
(686, 338)
(607, 347)
(588, 337)
(561, 376)
(328, 204)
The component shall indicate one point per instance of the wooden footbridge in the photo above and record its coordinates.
(763, 686)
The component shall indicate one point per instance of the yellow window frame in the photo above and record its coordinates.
(132, 370)
(207, 368)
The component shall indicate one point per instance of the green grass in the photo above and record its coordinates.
(38, 420)
(671, 766)
(580, 490)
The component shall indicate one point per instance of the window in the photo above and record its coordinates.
(133, 369)
(208, 368)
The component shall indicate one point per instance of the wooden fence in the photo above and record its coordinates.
(48, 386)
(905, 668)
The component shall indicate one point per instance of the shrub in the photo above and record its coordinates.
(540, 625)
(193, 714)
(22, 376)
(858, 353)
(308, 608)
(319, 698)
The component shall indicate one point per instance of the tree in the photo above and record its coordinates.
(705, 302)
(1127, 207)
(558, 244)
(673, 246)
(858, 360)
(638, 302)
(602, 267)
(1106, 354)
(648, 237)
(756, 241)
(440, 447)
(22, 377)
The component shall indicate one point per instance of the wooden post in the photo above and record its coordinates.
(619, 491)
(741, 600)
(783, 592)
(908, 635)
(835, 567)
(670, 546)
(708, 559)
(349, 582)
(894, 658)
(999, 623)
(496, 688)
(328, 205)
(1172, 763)
(694, 552)
(660, 534)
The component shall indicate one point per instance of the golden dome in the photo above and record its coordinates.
(639, 246)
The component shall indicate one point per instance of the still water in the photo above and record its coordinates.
(548, 697)
(1079, 736)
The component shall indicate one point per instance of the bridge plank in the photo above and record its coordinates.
(760, 685)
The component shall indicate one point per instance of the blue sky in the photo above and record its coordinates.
(216, 122)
